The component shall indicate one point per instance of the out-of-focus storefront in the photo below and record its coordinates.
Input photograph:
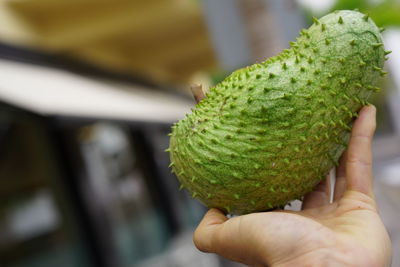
(88, 92)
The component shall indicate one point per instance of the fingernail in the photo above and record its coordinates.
(372, 108)
(369, 109)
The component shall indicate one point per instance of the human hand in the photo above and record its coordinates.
(347, 232)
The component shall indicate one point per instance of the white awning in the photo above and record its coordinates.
(50, 91)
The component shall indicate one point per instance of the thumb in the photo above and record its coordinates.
(230, 238)
(207, 230)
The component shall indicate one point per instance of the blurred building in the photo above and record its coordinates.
(169, 42)
(88, 91)
(161, 40)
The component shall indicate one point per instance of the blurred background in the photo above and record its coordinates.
(88, 92)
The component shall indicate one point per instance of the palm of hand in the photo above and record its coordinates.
(321, 235)
(347, 232)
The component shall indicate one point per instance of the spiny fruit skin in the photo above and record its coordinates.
(270, 132)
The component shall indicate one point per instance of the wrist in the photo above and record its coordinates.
(322, 257)
(332, 257)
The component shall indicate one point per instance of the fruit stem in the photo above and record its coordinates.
(197, 92)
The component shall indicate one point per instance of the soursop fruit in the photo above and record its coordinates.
(270, 132)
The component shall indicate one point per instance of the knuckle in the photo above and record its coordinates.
(358, 201)
(357, 160)
(360, 136)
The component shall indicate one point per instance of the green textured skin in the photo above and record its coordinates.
(270, 132)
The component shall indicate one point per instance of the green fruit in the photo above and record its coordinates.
(270, 132)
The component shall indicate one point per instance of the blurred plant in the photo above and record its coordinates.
(384, 12)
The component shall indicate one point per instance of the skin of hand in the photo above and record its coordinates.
(347, 232)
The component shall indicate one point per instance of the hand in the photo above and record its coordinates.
(347, 232)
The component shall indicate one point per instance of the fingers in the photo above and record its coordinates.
(359, 155)
(207, 229)
(319, 197)
(237, 239)
(340, 183)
